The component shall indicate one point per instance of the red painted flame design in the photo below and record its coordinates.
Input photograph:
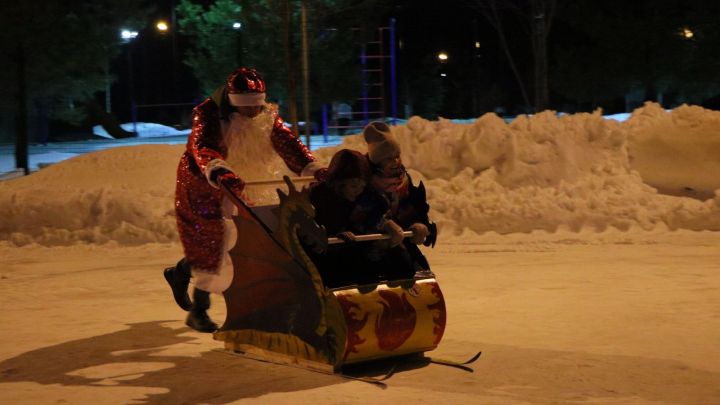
(441, 318)
(396, 323)
(354, 325)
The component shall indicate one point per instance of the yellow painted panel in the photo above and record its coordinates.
(391, 321)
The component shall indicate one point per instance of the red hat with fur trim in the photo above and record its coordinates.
(246, 87)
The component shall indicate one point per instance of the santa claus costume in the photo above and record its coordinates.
(233, 132)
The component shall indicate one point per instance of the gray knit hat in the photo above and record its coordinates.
(381, 142)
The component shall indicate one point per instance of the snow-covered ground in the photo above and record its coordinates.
(579, 254)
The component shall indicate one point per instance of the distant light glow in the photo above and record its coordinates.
(161, 26)
(237, 25)
(687, 33)
(477, 44)
(128, 35)
(443, 56)
(443, 74)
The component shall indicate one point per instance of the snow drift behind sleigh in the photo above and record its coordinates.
(280, 310)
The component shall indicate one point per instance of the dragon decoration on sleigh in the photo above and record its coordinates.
(279, 309)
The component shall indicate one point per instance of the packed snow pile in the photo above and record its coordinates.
(123, 194)
(656, 170)
(572, 172)
(678, 153)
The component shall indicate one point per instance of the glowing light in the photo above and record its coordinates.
(443, 74)
(237, 25)
(128, 35)
(477, 44)
(443, 56)
(161, 26)
(687, 33)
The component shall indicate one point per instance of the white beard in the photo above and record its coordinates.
(251, 154)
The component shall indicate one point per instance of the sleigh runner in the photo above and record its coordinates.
(279, 308)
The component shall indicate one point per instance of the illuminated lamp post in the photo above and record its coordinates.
(443, 58)
(127, 37)
(687, 33)
(237, 27)
(162, 26)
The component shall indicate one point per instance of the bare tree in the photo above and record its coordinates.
(542, 15)
(289, 46)
(538, 15)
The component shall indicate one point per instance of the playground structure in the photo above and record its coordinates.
(378, 59)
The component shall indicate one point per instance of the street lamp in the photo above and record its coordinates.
(127, 36)
(162, 26)
(237, 27)
(687, 33)
(443, 58)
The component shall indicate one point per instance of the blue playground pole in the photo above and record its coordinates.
(133, 114)
(363, 61)
(393, 75)
(325, 122)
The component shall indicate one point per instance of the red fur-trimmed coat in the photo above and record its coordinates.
(198, 204)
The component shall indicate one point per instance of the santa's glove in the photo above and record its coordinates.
(314, 169)
(230, 180)
(394, 231)
(321, 174)
(420, 232)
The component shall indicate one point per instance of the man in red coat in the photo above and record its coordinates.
(234, 133)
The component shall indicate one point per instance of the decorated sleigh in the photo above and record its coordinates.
(279, 308)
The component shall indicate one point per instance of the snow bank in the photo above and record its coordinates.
(677, 152)
(545, 172)
(124, 194)
(549, 172)
(143, 129)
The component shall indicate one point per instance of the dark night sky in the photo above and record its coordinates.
(424, 27)
(159, 75)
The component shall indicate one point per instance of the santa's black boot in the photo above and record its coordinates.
(179, 278)
(198, 318)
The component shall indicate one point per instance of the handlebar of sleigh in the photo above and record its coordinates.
(366, 238)
(304, 179)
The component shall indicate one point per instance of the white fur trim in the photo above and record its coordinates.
(220, 280)
(213, 165)
(310, 169)
(246, 99)
(215, 283)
